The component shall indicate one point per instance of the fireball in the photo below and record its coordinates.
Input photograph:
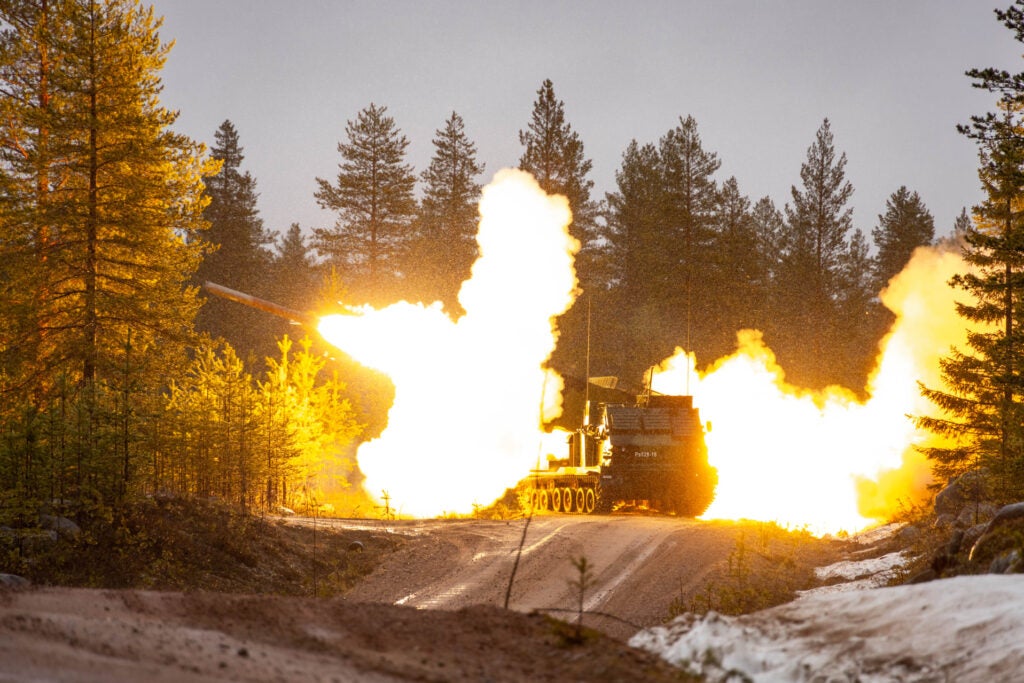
(823, 460)
(471, 395)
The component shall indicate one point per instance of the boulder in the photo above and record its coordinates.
(62, 525)
(907, 536)
(34, 540)
(1006, 563)
(975, 513)
(967, 488)
(14, 581)
(999, 527)
(972, 534)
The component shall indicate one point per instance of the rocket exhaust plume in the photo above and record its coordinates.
(824, 460)
(471, 395)
(466, 419)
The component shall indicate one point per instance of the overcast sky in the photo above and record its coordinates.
(758, 76)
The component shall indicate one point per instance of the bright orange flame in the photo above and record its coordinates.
(823, 460)
(465, 423)
(468, 394)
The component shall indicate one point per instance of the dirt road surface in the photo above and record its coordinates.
(432, 612)
(639, 565)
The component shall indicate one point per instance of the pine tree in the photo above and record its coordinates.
(906, 225)
(373, 197)
(445, 245)
(553, 154)
(690, 204)
(113, 271)
(240, 258)
(813, 244)
(28, 53)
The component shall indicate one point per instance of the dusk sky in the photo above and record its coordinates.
(759, 78)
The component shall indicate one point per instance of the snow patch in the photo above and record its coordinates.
(857, 575)
(967, 629)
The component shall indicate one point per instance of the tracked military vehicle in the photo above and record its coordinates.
(649, 453)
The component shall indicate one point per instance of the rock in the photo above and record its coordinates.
(908, 535)
(1003, 563)
(1008, 515)
(14, 581)
(944, 521)
(955, 542)
(924, 576)
(975, 513)
(967, 488)
(62, 525)
(972, 535)
(285, 512)
(31, 540)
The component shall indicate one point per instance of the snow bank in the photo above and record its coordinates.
(963, 629)
(860, 574)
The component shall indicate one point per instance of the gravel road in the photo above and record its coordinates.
(639, 564)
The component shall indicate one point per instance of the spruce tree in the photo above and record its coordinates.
(982, 397)
(768, 224)
(445, 244)
(906, 225)
(961, 225)
(373, 199)
(293, 281)
(240, 258)
(861, 319)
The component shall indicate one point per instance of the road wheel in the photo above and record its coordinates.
(556, 501)
(580, 500)
(567, 499)
(591, 501)
(542, 500)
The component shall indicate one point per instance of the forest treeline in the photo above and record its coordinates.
(108, 387)
(119, 377)
(673, 257)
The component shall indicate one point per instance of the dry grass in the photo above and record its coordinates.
(766, 567)
(179, 544)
